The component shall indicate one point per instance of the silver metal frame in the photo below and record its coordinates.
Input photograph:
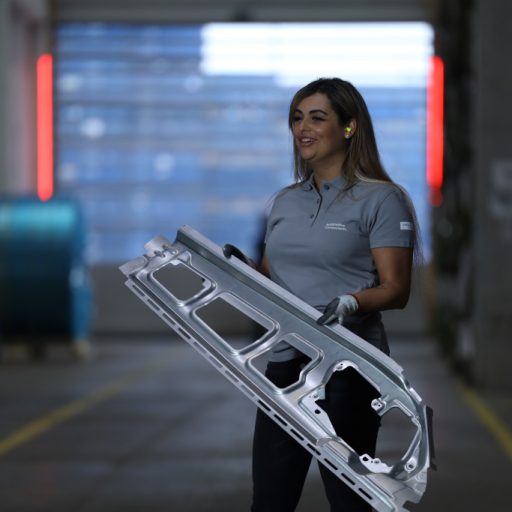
(287, 318)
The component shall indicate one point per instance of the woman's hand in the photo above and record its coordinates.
(231, 250)
(394, 267)
(338, 309)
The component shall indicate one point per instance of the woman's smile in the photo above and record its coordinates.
(306, 141)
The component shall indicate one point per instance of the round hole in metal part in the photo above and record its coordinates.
(396, 434)
(356, 404)
(317, 411)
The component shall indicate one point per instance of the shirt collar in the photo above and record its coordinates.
(307, 184)
(337, 183)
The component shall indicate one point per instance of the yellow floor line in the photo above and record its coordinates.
(45, 423)
(494, 424)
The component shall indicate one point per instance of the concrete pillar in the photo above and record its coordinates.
(492, 241)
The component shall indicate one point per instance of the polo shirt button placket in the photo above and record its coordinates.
(313, 215)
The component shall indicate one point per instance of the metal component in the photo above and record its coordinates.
(286, 318)
(378, 404)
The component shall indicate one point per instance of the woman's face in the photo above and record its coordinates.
(317, 132)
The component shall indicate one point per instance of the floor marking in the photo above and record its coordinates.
(41, 425)
(494, 424)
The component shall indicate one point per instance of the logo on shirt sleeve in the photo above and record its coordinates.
(406, 226)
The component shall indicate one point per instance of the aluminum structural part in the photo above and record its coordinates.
(284, 317)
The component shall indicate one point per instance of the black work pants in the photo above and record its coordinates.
(280, 464)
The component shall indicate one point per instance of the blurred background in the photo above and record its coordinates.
(121, 120)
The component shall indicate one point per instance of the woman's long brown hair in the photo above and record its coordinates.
(362, 161)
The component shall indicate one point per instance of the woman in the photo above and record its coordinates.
(342, 239)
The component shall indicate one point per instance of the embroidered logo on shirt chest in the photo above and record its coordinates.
(338, 226)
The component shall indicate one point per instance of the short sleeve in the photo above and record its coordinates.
(392, 223)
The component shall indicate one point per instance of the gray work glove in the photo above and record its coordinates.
(338, 309)
(231, 250)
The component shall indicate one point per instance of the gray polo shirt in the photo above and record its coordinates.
(318, 244)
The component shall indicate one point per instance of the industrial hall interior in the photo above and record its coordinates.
(254, 255)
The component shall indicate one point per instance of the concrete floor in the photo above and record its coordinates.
(149, 425)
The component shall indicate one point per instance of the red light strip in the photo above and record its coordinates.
(435, 126)
(45, 127)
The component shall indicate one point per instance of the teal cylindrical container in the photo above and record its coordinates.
(42, 251)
